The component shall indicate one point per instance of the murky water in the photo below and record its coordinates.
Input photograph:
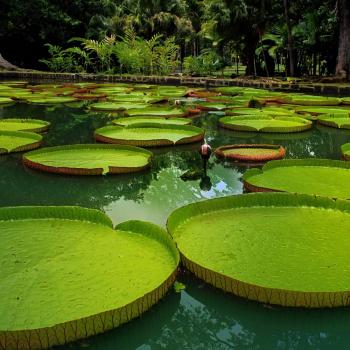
(200, 317)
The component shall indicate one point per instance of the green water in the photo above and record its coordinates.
(200, 317)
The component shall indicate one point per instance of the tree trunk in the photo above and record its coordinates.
(290, 40)
(343, 62)
(248, 55)
(5, 64)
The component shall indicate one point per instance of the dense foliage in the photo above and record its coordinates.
(197, 37)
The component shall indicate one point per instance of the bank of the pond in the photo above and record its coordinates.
(329, 89)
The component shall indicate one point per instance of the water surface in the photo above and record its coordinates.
(200, 317)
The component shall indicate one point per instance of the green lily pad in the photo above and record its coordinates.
(255, 92)
(18, 141)
(113, 90)
(171, 91)
(89, 96)
(117, 106)
(322, 177)
(143, 86)
(345, 149)
(16, 94)
(150, 135)
(345, 100)
(51, 100)
(89, 159)
(157, 111)
(270, 111)
(33, 125)
(5, 100)
(307, 100)
(151, 119)
(323, 110)
(265, 123)
(251, 152)
(136, 97)
(275, 248)
(67, 274)
(14, 83)
(340, 121)
(229, 90)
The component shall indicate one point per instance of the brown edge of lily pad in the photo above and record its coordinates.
(252, 188)
(251, 158)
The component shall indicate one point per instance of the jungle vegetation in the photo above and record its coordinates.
(195, 37)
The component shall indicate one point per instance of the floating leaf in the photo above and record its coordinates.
(276, 248)
(323, 177)
(85, 277)
(265, 123)
(89, 159)
(150, 135)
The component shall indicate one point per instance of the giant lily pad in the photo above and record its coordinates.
(345, 100)
(149, 135)
(18, 141)
(270, 111)
(113, 90)
(171, 91)
(265, 123)
(275, 248)
(151, 119)
(67, 274)
(34, 125)
(89, 159)
(346, 151)
(13, 83)
(51, 100)
(136, 98)
(157, 111)
(323, 110)
(5, 100)
(251, 152)
(117, 106)
(307, 100)
(323, 177)
(340, 121)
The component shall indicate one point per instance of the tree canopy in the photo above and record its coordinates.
(264, 37)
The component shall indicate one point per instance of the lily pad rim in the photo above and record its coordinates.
(281, 152)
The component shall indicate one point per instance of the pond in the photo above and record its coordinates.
(200, 316)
